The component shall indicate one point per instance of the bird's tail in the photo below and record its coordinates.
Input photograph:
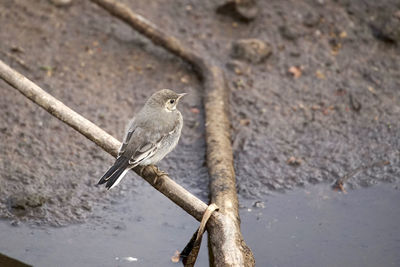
(114, 175)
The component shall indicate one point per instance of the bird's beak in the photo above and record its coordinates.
(181, 95)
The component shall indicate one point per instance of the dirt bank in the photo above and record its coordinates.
(325, 102)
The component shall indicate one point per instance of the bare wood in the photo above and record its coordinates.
(218, 225)
(222, 175)
(165, 184)
(190, 252)
(228, 249)
(148, 29)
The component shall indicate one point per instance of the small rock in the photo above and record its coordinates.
(288, 33)
(294, 161)
(243, 10)
(61, 3)
(20, 203)
(176, 257)
(247, 9)
(15, 223)
(259, 204)
(244, 122)
(294, 53)
(295, 71)
(251, 50)
(239, 68)
(387, 28)
(86, 206)
(310, 19)
(195, 110)
(354, 103)
(120, 226)
(17, 49)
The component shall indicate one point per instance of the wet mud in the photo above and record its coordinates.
(321, 100)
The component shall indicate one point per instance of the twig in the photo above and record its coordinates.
(230, 248)
(190, 252)
(339, 184)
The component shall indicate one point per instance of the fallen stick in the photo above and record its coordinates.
(230, 248)
(339, 184)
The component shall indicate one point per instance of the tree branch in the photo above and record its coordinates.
(219, 224)
(230, 248)
(165, 185)
(227, 245)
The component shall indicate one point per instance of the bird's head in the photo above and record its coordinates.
(166, 99)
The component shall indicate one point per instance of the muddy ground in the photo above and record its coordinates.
(325, 102)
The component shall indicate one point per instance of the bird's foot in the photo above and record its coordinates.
(158, 172)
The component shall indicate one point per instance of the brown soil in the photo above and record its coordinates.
(341, 112)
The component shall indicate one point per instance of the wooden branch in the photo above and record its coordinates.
(339, 184)
(218, 225)
(228, 249)
(165, 185)
(157, 36)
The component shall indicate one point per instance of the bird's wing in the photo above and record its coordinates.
(145, 151)
(141, 144)
(128, 136)
(125, 142)
(142, 140)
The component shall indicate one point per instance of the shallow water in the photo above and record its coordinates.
(312, 226)
(275, 117)
(144, 229)
(317, 226)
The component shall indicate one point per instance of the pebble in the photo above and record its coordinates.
(387, 28)
(244, 10)
(251, 50)
(61, 3)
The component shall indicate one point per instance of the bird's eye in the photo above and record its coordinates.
(172, 101)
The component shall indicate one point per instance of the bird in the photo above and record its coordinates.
(149, 137)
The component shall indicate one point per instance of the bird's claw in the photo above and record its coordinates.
(158, 172)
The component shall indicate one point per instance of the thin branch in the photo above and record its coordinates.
(165, 185)
(157, 36)
(219, 224)
(339, 184)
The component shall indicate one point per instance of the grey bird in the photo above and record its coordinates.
(149, 137)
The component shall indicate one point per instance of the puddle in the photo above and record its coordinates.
(287, 132)
(316, 226)
(143, 229)
(311, 226)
